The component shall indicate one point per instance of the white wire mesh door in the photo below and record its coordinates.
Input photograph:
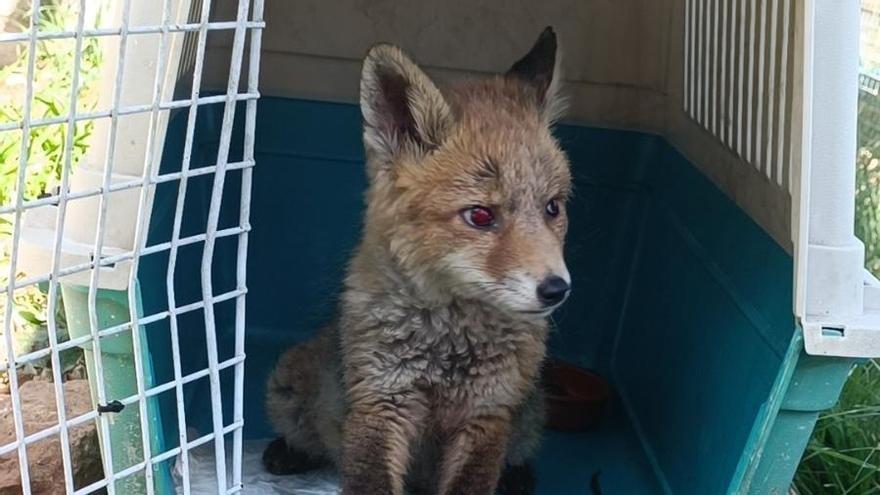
(82, 161)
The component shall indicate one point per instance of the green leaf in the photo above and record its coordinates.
(30, 317)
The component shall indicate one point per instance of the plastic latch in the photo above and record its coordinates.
(858, 338)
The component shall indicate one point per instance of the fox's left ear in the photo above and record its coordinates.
(540, 70)
(403, 109)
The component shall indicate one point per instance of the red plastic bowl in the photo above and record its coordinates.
(575, 398)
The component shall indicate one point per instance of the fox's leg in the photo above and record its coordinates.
(377, 437)
(281, 459)
(421, 475)
(527, 427)
(474, 456)
(292, 406)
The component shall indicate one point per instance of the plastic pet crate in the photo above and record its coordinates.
(718, 285)
(711, 240)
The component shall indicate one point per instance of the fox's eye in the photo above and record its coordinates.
(479, 217)
(552, 208)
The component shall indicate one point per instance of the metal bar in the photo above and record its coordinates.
(121, 186)
(208, 253)
(18, 421)
(126, 401)
(175, 235)
(146, 184)
(148, 29)
(110, 331)
(112, 260)
(129, 110)
(91, 299)
(244, 219)
(51, 324)
(140, 238)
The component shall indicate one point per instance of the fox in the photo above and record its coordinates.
(427, 380)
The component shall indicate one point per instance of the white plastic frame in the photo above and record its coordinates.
(837, 303)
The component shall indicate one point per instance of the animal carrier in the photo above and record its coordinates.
(717, 281)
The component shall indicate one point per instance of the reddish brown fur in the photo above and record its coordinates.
(430, 374)
(497, 123)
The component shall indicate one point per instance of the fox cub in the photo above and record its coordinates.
(428, 379)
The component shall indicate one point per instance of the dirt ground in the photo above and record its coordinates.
(44, 456)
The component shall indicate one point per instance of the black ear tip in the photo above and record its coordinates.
(548, 36)
(538, 63)
(546, 43)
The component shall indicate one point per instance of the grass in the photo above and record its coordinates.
(843, 456)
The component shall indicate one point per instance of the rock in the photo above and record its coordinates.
(77, 371)
(45, 464)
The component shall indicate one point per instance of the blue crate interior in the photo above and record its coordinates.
(680, 299)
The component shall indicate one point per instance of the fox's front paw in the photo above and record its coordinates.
(516, 480)
(279, 459)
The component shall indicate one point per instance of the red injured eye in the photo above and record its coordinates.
(478, 216)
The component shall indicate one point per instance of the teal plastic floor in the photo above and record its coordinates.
(609, 456)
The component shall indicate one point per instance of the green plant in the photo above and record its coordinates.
(54, 64)
(843, 456)
(30, 323)
(868, 206)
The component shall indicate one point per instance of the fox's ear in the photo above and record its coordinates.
(402, 108)
(539, 69)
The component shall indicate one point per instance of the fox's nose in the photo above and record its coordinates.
(553, 290)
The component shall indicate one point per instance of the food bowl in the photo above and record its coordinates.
(576, 398)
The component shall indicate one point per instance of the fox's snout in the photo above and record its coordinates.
(538, 291)
(553, 290)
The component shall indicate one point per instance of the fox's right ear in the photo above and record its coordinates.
(539, 69)
(403, 109)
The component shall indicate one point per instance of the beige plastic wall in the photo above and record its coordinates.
(622, 62)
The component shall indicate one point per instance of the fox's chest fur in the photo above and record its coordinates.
(459, 358)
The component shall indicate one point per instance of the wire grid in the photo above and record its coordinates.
(247, 19)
